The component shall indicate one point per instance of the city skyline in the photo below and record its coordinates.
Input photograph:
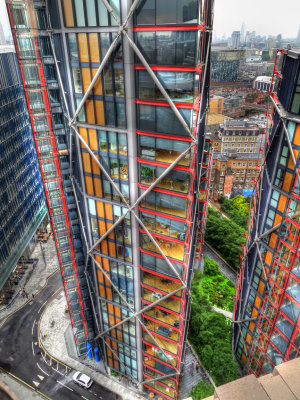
(267, 22)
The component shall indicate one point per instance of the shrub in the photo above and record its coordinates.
(201, 391)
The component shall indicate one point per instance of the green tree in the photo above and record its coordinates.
(201, 391)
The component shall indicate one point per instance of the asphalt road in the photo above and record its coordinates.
(21, 356)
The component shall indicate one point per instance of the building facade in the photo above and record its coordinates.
(267, 309)
(21, 189)
(231, 174)
(127, 147)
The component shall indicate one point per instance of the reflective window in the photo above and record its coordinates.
(157, 12)
(73, 48)
(168, 47)
(162, 120)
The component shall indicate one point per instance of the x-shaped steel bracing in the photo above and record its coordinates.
(130, 208)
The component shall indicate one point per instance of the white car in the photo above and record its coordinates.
(82, 380)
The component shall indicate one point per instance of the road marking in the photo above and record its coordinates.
(84, 398)
(36, 383)
(41, 377)
(32, 348)
(42, 306)
(56, 370)
(65, 386)
(32, 327)
(42, 370)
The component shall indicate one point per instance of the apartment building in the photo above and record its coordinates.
(21, 188)
(230, 175)
(267, 308)
(125, 143)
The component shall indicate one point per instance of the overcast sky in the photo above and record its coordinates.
(266, 17)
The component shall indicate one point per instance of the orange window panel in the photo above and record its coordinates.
(110, 362)
(102, 291)
(104, 249)
(105, 264)
(112, 249)
(268, 258)
(251, 326)
(272, 241)
(108, 211)
(113, 333)
(287, 181)
(89, 110)
(254, 313)
(257, 302)
(96, 168)
(116, 364)
(290, 163)
(83, 47)
(277, 219)
(68, 13)
(93, 139)
(100, 210)
(98, 191)
(110, 308)
(248, 338)
(94, 47)
(89, 185)
(99, 112)
(102, 228)
(261, 287)
(281, 204)
(86, 159)
(111, 235)
(243, 358)
(98, 84)
(86, 78)
(111, 320)
(83, 134)
(108, 294)
(100, 276)
(297, 136)
(119, 335)
(117, 312)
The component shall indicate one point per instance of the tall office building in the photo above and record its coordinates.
(124, 140)
(267, 309)
(21, 188)
(236, 39)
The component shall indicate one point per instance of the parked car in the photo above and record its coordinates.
(82, 380)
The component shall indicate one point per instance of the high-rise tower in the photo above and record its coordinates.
(130, 122)
(21, 188)
(267, 309)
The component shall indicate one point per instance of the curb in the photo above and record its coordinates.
(29, 300)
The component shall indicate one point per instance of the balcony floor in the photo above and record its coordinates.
(169, 304)
(165, 345)
(165, 285)
(166, 210)
(170, 249)
(157, 314)
(152, 326)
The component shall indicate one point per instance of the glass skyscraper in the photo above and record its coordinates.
(122, 111)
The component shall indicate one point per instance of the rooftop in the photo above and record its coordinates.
(215, 118)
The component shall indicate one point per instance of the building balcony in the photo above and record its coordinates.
(150, 374)
(164, 344)
(159, 355)
(162, 330)
(170, 249)
(165, 226)
(169, 304)
(165, 156)
(163, 284)
(162, 389)
(176, 185)
(163, 316)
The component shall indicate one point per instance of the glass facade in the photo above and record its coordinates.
(272, 303)
(22, 198)
(127, 127)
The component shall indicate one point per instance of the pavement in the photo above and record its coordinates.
(38, 362)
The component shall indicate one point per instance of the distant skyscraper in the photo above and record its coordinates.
(236, 39)
(2, 35)
(267, 309)
(243, 32)
(298, 36)
(21, 188)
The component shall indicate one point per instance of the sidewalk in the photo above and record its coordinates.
(35, 277)
(55, 345)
